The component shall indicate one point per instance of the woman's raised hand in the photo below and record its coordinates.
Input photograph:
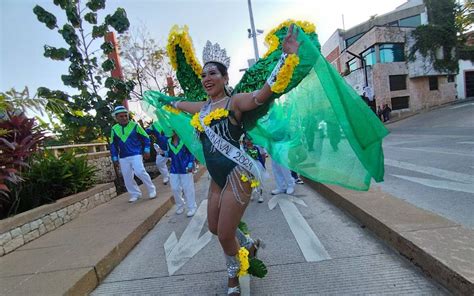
(290, 44)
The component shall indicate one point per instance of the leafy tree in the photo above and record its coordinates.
(449, 22)
(89, 117)
(144, 62)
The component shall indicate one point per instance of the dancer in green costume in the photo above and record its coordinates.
(292, 102)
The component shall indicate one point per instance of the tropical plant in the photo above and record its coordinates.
(19, 139)
(86, 52)
(50, 178)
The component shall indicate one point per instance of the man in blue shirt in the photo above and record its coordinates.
(127, 142)
(181, 177)
(161, 145)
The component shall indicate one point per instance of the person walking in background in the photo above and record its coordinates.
(283, 179)
(386, 112)
(379, 113)
(128, 140)
(181, 177)
(160, 145)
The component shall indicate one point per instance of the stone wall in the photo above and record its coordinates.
(103, 162)
(25, 227)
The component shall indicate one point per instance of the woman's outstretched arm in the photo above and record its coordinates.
(190, 107)
(248, 101)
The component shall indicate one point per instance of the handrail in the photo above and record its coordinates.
(91, 148)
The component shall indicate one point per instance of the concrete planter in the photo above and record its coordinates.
(18, 230)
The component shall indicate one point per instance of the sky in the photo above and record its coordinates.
(22, 36)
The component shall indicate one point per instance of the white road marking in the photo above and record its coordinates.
(441, 184)
(442, 151)
(459, 177)
(310, 245)
(463, 105)
(180, 252)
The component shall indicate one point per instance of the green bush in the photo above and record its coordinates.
(50, 178)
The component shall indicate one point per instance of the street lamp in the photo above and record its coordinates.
(252, 32)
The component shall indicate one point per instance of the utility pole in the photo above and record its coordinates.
(253, 32)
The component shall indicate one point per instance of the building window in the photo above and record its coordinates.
(369, 56)
(412, 21)
(397, 82)
(433, 82)
(351, 40)
(393, 24)
(392, 52)
(450, 78)
(400, 103)
(352, 65)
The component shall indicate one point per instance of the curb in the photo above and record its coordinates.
(92, 278)
(441, 248)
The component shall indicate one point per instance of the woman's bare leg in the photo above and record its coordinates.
(230, 214)
(213, 207)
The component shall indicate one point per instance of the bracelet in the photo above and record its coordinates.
(254, 97)
(272, 79)
(175, 104)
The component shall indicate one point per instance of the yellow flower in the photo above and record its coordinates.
(244, 178)
(271, 40)
(196, 123)
(285, 73)
(214, 115)
(254, 183)
(180, 37)
(171, 109)
(244, 261)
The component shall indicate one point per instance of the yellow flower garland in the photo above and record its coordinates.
(180, 37)
(171, 109)
(271, 40)
(285, 73)
(244, 261)
(213, 115)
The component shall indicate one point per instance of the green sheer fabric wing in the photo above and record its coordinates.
(170, 122)
(323, 130)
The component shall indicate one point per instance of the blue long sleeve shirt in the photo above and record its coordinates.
(128, 140)
(181, 158)
(161, 140)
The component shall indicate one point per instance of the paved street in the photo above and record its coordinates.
(429, 162)
(313, 249)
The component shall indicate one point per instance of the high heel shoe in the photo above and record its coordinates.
(233, 290)
(257, 244)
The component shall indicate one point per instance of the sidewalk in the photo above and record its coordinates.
(441, 248)
(75, 258)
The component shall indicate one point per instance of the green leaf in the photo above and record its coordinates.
(107, 47)
(99, 31)
(61, 3)
(57, 54)
(45, 17)
(73, 16)
(91, 18)
(95, 5)
(69, 35)
(118, 20)
(257, 268)
(108, 65)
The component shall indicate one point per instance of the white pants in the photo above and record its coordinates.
(283, 178)
(131, 166)
(161, 165)
(183, 184)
